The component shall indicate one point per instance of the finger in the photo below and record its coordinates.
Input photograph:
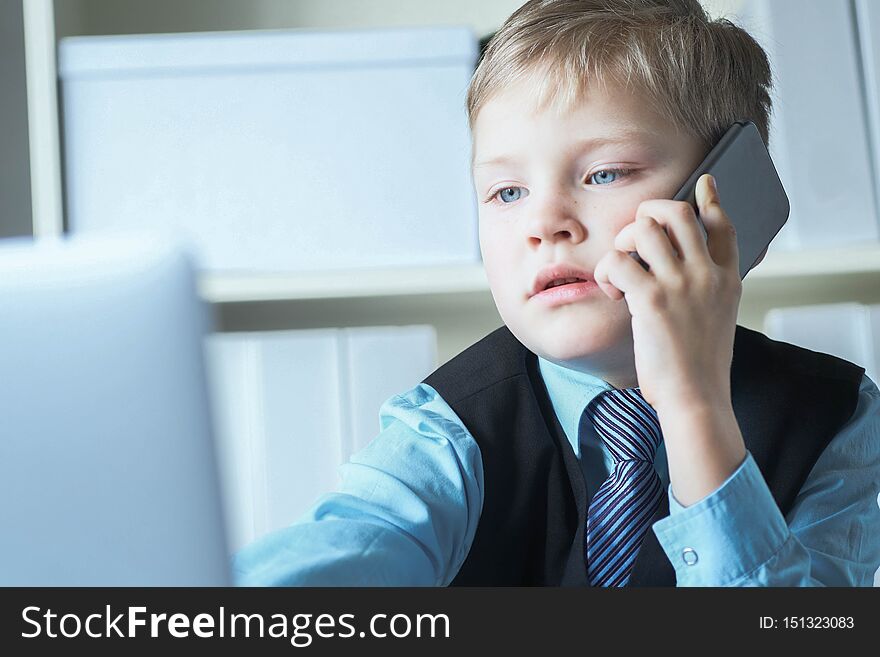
(720, 231)
(624, 241)
(680, 222)
(617, 274)
(648, 238)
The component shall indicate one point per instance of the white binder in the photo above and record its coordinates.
(382, 362)
(275, 400)
(818, 131)
(291, 406)
(846, 330)
(868, 21)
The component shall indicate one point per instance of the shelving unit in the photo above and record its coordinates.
(456, 300)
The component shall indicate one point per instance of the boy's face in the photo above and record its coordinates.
(558, 200)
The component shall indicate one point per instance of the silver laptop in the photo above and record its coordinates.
(108, 474)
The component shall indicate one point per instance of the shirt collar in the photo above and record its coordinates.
(570, 391)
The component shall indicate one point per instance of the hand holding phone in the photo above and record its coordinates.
(751, 192)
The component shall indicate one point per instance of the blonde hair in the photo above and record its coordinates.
(699, 74)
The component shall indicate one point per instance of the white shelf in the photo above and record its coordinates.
(391, 282)
(828, 265)
(855, 259)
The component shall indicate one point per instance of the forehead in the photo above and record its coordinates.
(602, 115)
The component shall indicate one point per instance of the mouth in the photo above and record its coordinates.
(559, 277)
(563, 293)
(562, 282)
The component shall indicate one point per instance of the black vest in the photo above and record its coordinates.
(789, 403)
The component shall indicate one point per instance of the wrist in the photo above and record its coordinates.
(704, 445)
(707, 421)
(704, 402)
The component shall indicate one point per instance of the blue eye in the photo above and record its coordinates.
(505, 195)
(508, 195)
(623, 173)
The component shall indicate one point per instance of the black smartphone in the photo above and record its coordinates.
(751, 192)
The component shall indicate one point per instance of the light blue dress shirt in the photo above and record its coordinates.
(407, 508)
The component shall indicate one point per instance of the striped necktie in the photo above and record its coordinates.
(622, 509)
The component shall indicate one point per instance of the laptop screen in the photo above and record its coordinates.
(108, 474)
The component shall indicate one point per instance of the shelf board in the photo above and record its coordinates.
(392, 282)
(855, 259)
(776, 268)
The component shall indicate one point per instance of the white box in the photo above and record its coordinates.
(818, 132)
(290, 406)
(846, 330)
(277, 151)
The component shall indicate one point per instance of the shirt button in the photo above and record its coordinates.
(690, 556)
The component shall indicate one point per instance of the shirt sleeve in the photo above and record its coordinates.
(404, 514)
(737, 535)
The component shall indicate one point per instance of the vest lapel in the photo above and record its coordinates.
(575, 570)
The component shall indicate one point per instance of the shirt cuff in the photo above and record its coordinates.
(727, 534)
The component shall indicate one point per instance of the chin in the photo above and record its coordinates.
(568, 348)
(562, 343)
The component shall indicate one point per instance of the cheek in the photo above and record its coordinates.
(495, 250)
(499, 274)
(485, 244)
(614, 222)
(501, 267)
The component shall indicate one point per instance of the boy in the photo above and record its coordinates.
(621, 429)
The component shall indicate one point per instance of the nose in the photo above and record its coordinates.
(555, 219)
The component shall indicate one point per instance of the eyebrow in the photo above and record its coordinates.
(585, 145)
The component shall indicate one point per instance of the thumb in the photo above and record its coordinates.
(720, 232)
